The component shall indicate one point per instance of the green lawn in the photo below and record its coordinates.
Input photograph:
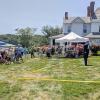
(13, 85)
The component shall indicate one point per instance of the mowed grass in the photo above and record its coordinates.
(14, 86)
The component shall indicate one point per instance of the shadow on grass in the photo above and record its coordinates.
(89, 65)
(86, 65)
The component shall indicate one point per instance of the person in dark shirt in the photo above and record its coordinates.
(48, 53)
(32, 52)
(86, 52)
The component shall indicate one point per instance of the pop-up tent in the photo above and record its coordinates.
(2, 43)
(71, 37)
(5, 45)
(8, 45)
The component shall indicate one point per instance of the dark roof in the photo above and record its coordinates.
(96, 33)
(93, 35)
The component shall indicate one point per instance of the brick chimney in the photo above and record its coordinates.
(92, 8)
(66, 15)
(88, 11)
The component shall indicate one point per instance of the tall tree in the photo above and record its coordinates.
(25, 36)
(51, 31)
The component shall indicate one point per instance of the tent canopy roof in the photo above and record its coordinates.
(4, 44)
(8, 45)
(72, 37)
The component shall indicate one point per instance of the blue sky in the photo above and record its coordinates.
(37, 13)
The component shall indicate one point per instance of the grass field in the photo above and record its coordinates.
(21, 81)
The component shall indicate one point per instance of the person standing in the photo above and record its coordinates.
(32, 52)
(86, 52)
(48, 53)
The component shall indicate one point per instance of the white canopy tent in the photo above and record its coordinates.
(71, 37)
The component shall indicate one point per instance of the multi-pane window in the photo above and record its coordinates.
(99, 28)
(84, 28)
(69, 28)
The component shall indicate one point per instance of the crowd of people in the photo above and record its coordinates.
(16, 55)
(72, 51)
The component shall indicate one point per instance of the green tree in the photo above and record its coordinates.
(51, 31)
(25, 36)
